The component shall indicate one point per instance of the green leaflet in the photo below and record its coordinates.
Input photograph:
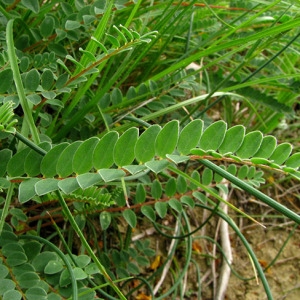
(161, 208)
(111, 174)
(32, 165)
(213, 136)
(124, 148)
(49, 161)
(105, 219)
(281, 153)
(46, 186)
(68, 185)
(5, 156)
(189, 136)
(233, 139)
(251, 144)
(32, 80)
(103, 152)
(149, 212)
(33, 5)
(156, 189)
(27, 189)
(64, 166)
(293, 161)
(88, 179)
(167, 138)
(6, 80)
(145, 146)
(83, 157)
(267, 147)
(47, 26)
(130, 217)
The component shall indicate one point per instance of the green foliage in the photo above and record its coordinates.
(100, 111)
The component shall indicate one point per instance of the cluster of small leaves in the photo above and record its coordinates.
(152, 96)
(83, 164)
(7, 121)
(28, 271)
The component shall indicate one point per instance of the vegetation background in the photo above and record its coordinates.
(136, 138)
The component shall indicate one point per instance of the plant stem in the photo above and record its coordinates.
(246, 187)
(18, 82)
(6, 206)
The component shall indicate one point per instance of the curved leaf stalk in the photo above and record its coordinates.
(74, 225)
(18, 82)
(63, 258)
(248, 247)
(246, 187)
